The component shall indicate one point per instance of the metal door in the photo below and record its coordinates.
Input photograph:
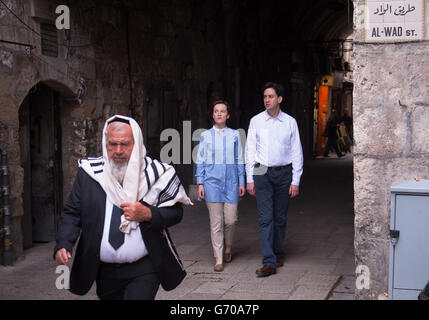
(411, 253)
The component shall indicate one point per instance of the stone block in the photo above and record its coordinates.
(359, 20)
(255, 295)
(5, 83)
(249, 284)
(342, 296)
(8, 108)
(312, 293)
(404, 69)
(403, 169)
(187, 286)
(346, 285)
(6, 62)
(380, 131)
(369, 186)
(16, 180)
(417, 74)
(419, 124)
(372, 195)
(311, 280)
(298, 266)
(214, 287)
(370, 89)
(280, 284)
(86, 68)
(20, 89)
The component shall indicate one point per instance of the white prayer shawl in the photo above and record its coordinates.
(146, 179)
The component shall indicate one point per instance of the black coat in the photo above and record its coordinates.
(83, 216)
(331, 130)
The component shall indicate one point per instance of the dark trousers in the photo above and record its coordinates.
(127, 281)
(332, 143)
(272, 198)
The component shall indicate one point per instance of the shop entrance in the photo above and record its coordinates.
(333, 107)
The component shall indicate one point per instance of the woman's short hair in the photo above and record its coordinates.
(214, 103)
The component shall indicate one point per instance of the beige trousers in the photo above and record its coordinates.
(223, 217)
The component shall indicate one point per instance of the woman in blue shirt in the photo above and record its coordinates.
(220, 179)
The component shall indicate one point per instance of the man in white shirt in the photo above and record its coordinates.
(274, 164)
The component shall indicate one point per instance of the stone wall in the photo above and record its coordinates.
(391, 117)
(19, 72)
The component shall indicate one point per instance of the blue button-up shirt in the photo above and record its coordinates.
(220, 165)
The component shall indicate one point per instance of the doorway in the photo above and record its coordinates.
(40, 142)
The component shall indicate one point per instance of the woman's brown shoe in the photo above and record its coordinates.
(218, 267)
(227, 257)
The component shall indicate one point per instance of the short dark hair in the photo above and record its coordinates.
(214, 103)
(278, 88)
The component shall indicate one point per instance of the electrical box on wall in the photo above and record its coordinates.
(409, 241)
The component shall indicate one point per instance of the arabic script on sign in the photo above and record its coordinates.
(399, 10)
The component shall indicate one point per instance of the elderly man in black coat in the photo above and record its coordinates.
(120, 207)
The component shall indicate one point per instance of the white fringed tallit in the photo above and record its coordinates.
(145, 179)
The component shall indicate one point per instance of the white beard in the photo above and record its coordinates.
(118, 171)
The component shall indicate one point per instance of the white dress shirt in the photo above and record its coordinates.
(131, 250)
(274, 142)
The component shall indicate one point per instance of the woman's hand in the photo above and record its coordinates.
(201, 192)
(241, 191)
